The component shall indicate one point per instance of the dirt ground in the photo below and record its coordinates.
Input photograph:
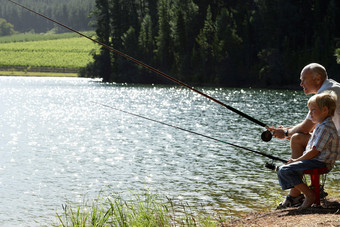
(327, 215)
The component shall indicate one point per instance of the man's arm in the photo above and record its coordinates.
(281, 132)
(305, 127)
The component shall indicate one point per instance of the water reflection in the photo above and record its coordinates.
(56, 146)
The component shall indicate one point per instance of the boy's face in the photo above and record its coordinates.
(318, 115)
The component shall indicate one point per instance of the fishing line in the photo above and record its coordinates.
(196, 133)
(266, 135)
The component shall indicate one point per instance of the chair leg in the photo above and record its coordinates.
(315, 180)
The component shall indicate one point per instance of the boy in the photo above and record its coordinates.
(322, 150)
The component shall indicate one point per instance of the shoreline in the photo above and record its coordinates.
(38, 74)
(327, 215)
(38, 71)
(66, 73)
(43, 71)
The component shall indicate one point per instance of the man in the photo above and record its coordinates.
(314, 80)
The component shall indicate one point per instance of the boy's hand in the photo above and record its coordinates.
(291, 160)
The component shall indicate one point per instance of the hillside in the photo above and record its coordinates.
(74, 13)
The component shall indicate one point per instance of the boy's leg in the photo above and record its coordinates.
(309, 195)
(294, 192)
(298, 143)
(290, 176)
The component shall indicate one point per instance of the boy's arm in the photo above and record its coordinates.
(306, 156)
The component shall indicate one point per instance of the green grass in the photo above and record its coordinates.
(139, 210)
(55, 51)
(27, 37)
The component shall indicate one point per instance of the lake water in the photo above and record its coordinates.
(57, 147)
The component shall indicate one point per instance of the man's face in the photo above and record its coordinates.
(310, 84)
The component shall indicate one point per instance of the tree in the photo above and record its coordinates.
(180, 42)
(183, 20)
(337, 54)
(130, 69)
(6, 28)
(146, 41)
(164, 43)
(103, 60)
(207, 50)
(228, 48)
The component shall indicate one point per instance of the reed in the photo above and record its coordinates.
(144, 209)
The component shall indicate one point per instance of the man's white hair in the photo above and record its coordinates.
(316, 69)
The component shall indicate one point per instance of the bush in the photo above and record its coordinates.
(6, 28)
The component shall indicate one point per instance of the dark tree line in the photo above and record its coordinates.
(224, 42)
(74, 13)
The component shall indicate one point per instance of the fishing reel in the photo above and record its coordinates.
(272, 166)
(266, 136)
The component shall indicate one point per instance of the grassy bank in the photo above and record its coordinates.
(142, 209)
(54, 51)
(146, 209)
(37, 74)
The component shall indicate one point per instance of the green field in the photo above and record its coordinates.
(55, 51)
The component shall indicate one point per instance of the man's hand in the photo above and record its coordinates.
(278, 132)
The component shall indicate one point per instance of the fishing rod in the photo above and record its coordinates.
(196, 133)
(265, 136)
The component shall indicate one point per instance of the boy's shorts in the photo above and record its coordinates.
(291, 174)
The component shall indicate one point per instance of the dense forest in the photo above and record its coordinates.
(208, 42)
(221, 42)
(74, 13)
